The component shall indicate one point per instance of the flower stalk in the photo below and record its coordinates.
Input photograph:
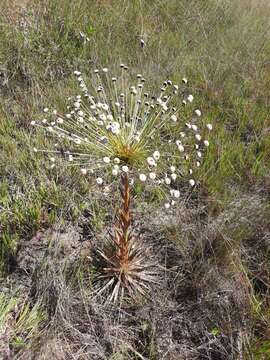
(122, 233)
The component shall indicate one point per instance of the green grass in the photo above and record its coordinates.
(19, 322)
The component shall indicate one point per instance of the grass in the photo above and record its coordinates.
(223, 48)
(19, 322)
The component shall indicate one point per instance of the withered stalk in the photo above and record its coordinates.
(122, 233)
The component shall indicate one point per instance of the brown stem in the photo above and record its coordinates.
(122, 233)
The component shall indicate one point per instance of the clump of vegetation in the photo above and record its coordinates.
(117, 129)
(19, 322)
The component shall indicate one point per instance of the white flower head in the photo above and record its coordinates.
(181, 148)
(118, 128)
(142, 177)
(151, 161)
(115, 128)
(99, 181)
(106, 159)
(190, 98)
(156, 155)
(164, 106)
(175, 193)
(125, 168)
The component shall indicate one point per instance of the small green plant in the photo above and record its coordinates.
(19, 323)
(118, 130)
(215, 331)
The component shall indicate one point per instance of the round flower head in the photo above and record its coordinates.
(190, 98)
(142, 177)
(117, 127)
(151, 161)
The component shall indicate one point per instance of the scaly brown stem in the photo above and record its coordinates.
(125, 267)
(122, 233)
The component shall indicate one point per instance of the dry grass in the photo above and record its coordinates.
(205, 296)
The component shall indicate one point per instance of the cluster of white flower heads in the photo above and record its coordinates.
(115, 127)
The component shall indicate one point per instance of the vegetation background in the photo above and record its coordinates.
(213, 300)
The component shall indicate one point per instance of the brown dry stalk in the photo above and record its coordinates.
(122, 233)
(125, 266)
